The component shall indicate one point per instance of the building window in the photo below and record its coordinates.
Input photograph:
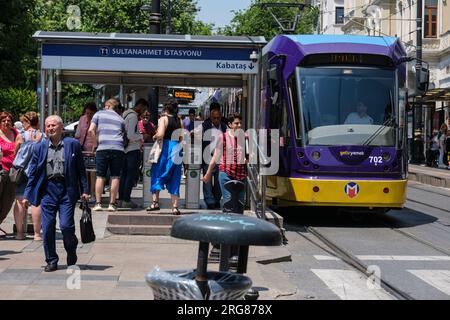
(339, 15)
(430, 17)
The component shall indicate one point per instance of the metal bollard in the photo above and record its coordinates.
(193, 178)
(146, 174)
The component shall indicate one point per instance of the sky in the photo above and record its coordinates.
(219, 11)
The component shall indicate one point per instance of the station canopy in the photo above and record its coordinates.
(149, 59)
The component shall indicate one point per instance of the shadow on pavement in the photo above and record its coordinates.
(94, 267)
(340, 217)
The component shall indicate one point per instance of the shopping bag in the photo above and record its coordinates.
(86, 228)
(155, 152)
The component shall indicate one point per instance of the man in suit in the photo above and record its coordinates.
(56, 180)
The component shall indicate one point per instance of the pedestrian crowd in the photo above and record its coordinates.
(438, 153)
(46, 170)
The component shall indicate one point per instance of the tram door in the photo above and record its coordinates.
(278, 119)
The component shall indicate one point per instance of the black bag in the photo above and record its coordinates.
(16, 175)
(86, 228)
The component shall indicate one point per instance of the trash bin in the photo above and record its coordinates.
(181, 285)
(224, 229)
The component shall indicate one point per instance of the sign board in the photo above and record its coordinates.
(184, 94)
(147, 58)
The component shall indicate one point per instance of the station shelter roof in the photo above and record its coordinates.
(149, 59)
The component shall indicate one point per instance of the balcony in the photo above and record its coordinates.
(436, 46)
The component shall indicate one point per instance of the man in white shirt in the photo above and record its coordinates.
(360, 116)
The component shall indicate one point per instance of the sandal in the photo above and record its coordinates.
(175, 211)
(154, 206)
(37, 237)
(2, 233)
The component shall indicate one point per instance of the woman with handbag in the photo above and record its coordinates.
(166, 172)
(31, 134)
(8, 139)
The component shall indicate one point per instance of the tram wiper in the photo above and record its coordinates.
(388, 122)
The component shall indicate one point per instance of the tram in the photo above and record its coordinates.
(338, 102)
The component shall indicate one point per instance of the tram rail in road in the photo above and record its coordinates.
(355, 263)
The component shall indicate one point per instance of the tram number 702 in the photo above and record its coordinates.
(376, 160)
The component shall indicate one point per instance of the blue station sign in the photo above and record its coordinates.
(147, 58)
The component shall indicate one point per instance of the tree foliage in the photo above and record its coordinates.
(18, 101)
(124, 16)
(16, 49)
(259, 22)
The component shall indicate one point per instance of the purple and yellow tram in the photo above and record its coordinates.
(338, 102)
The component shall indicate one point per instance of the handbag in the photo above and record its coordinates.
(16, 175)
(155, 152)
(86, 227)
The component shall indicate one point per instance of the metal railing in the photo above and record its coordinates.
(257, 182)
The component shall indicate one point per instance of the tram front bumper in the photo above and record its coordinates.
(348, 193)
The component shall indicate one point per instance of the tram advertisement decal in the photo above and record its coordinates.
(351, 154)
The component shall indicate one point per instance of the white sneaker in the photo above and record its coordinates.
(97, 207)
(112, 207)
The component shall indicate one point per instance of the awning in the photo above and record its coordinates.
(433, 95)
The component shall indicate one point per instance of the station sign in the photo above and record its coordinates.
(184, 94)
(147, 58)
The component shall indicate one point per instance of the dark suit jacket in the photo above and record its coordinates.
(74, 171)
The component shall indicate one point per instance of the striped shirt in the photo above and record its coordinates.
(233, 157)
(110, 126)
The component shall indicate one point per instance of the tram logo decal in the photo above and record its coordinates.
(351, 189)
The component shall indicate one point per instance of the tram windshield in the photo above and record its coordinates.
(346, 106)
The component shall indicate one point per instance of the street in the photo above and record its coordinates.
(408, 249)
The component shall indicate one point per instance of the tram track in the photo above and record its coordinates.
(353, 261)
(420, 240)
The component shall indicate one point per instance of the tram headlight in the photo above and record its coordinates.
(386, 156)
(316, 155)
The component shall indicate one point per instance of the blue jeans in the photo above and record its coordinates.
(56, 199)
(224, 178)
(211, 190)
(130, 168)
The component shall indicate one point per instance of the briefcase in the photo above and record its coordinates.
(86, 227)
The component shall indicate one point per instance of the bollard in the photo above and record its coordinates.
(193, 178)
(146, 175)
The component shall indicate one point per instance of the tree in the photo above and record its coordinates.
(18, 101)
(16, 50)
(259, 22)
(124, 16)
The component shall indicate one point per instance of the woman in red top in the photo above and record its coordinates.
(8, 139)
(231, 152)
(146, 127)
